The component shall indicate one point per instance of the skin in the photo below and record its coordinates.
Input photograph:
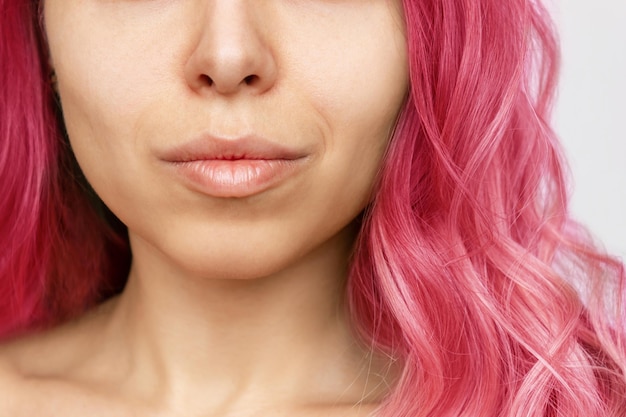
(234, 306)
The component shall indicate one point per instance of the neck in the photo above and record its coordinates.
(284, 336)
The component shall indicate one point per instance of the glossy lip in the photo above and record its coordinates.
(233, 168)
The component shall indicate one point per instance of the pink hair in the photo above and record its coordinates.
(58, 257)
(467, 269)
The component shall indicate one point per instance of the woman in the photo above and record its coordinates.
(333, 208)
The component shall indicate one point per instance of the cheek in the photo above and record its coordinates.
(110, 68)
(108, 97)
(354, 74)
(357, 92)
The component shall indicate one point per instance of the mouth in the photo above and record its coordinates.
(233, 168)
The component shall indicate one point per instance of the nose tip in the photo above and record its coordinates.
(231, 74)
(231, 53)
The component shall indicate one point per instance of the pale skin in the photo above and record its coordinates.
(234, 306)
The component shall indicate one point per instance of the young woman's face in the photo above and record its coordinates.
(231, 136)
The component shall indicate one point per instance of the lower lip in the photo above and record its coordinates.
(236, 178)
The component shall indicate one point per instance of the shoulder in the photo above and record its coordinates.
(37, 379)
(22, 361)
(20, 392)
(38, 355)
(38, 371)
(10, 392)
(57, 350)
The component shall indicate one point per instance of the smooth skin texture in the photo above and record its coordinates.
(234, 306)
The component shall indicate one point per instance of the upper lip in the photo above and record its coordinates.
(249, 147)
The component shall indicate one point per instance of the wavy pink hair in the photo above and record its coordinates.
(467, 269)
(51, 236)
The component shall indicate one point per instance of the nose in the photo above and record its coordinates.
(231, 51)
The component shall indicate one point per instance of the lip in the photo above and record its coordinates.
(233, 168)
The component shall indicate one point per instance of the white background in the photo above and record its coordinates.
(590, 116)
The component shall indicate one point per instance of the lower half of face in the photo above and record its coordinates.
(233, 138)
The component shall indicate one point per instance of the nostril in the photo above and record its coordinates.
(206, 80)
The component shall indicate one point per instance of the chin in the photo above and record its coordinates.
(232, 260)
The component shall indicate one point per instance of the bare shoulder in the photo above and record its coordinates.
(52, 351)
(10, 391)
(362, 410)
(23, 395)
(26, 364)
(36, 370)
(19, 363)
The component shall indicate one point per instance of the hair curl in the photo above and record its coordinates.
(467, 268)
